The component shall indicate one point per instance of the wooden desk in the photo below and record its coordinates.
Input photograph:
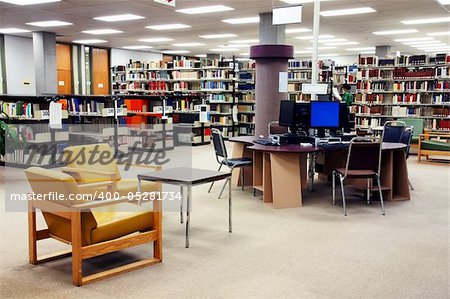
(280, 172)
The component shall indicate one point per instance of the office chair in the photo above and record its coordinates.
(363, 162)
(223, 160)
(406, 139)
(393, 131)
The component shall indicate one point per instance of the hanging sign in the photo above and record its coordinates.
(166, 2)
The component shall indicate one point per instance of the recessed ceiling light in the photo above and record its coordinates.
(49, 24)
(439, 33)
(427, 21)
(177, 52)
(89, 41)
(414, 39)
(28, 2)
(188, 45)
(242, 20)
(444, 2)
(245, 41)
(137, 47)
(368, 52)
(119, 18)
(322, 48)
(345, 12)
(312, 37)
(297, 30)
(102, 31)
(214, 36)
(12, 30)
(168, 27)
(205, 9)
(390, 32)
(361, 49)
(201, 55)
(156, 40)
(224, 50)
(341, 44)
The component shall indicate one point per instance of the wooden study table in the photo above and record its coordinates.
(280, 172)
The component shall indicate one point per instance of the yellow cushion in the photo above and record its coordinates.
(126, 186)
(60, 227)
(120, 220)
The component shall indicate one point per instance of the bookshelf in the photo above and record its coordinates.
(415, 86)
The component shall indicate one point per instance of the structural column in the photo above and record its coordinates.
(271, 58)
(44, 45)
(383, 51)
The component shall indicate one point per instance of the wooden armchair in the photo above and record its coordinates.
(91, 227)
(434, 144)
(86, 169)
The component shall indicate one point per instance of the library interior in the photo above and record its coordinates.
(225, 148)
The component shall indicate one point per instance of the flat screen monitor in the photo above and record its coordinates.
(325, 115)
(344, 116)
(302, 117)
(287, 110)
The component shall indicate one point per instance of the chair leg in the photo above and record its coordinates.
(223, 188)
(32, 242)
(410, 184)
(242, 178)
(212, 184)
(333, 177)
(77, 261)
(254, 192)
(368, 192)
(343, 196)
(381, 196)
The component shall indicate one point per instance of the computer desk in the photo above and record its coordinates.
(281, 172)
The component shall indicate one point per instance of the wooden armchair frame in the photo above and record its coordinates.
(79, 252)
(427, 136)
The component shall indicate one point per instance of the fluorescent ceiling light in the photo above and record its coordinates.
(439, 33)
(214, 36)
(345, 12)
(201, 55)
(49, 24)
(119, 18)
(156, 40)
(168, 27)
(332, 40)
(341, 44)
(188, 45)
(177, 52)
(28, 2)
(415, 39)
(298, 30)
(435, 46)
(102, 31)
(427, 21)
(322, 48)
(137, 47)
(242, 20)
(312, 37)
(303, 52)
(361, 49)
(224, 50)
(205, 9)
(300, 1)
(89, 41)
(12, 30)
(245, 41)
(444, 2)
(420, 42)
(440, 51)
(390, 32)
(235, 46)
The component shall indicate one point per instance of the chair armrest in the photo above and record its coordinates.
(97, 185)
(79, 171)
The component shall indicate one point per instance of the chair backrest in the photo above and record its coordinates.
(393, 131)
(406, 138)
(364, 154)
(417, 124)
(93, 157)
(219, 145)
(275, 128)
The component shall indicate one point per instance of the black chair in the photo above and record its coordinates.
(223, 160)
(363, 162)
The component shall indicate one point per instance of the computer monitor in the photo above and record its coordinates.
(302, 116)
(287, 110)
(325, 115)
(344, 117)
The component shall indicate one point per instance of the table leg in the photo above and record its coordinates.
(230, 225)
(181, 203)
(311, 171)
(188, 213)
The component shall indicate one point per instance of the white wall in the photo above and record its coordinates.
(345, 60)
(19, 63)
(122, 57)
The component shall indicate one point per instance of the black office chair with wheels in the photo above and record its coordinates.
(363, 162)
(223, 160)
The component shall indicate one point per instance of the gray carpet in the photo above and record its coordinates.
(309, 252)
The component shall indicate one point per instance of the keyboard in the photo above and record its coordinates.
(334, 146)
(263, 141)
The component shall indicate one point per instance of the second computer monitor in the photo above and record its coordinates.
(325, 115)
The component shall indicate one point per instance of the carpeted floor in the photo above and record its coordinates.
(309, 252)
